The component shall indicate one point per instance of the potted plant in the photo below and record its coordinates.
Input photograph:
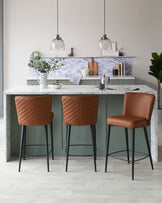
(43, 66)
(156, 71)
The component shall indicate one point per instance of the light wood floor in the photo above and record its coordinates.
(81, 184)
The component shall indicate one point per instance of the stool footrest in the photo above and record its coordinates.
(80, 145)
(141, 158)
(146, 155)
(81, 155)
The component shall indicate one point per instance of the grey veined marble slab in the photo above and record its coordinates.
(73, 66)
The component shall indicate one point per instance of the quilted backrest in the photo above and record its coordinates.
(34, 110)
(80, 110)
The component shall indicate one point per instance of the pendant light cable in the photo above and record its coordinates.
(104, 17)
(57, 17)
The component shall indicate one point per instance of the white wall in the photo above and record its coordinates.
(31, 25)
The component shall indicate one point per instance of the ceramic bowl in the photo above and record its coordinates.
(55, 86)
(85, 72)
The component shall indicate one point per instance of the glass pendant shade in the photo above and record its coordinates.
(105, 43)
(57, 43)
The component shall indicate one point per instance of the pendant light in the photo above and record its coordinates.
(105, 42)
(57, 43)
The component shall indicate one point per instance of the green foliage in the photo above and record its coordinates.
(156, 66)
(44, 66)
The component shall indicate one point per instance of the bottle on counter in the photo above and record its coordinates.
(115, 71)
(119, 69)
(123, 69)
(71, 53)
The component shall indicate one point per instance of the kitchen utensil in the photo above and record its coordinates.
(136, 89)
(105, 80)
(100, 86)
(92, 66)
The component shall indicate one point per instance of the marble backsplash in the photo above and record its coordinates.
(73, 65)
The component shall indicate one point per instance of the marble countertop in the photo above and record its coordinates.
(78, 90)
(95, 77)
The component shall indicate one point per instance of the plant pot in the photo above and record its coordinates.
(159, 112)
(43, 80)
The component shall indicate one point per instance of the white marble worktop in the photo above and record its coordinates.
(90, 77)
(78, 90)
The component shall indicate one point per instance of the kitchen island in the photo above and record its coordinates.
(110, 103)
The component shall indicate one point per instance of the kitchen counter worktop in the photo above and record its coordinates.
(78, 89)
(90, 77)
(110, 103)
(89, 80)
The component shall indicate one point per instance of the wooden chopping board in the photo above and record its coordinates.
(92, 66)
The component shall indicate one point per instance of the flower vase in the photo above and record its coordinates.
(43, 80)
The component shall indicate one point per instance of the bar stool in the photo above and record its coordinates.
(137, 111)
(80, 111)
(34, 111)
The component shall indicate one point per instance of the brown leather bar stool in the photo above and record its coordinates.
(34, 111)
(137, 111)
(80, 111)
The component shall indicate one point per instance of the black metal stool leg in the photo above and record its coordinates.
(51, 128)
(47, 147)
(67, 144)
(133, 144)
(94, 149)
(127, 143)
(66, 138)
(95, 141)
(93, 131)
(148, 147)
(21, 145)
(24, 143)
(107, 146)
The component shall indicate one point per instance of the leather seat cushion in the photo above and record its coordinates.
(127, 121)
